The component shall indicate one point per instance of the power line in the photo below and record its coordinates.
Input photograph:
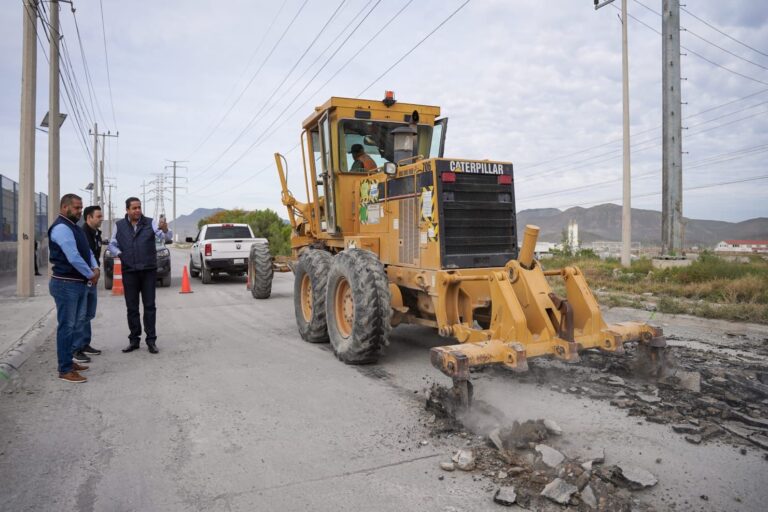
(106, 59)
(87, 69)
(261, 137)
(242, 74)
(707, 40)
(742, 75)
(253, 77)
(398, 61)
(723, 33)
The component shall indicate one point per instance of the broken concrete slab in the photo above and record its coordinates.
(550, 456)
(693, 439)
(447, 466)
(553, 428)
(495, 437)
(749, 420)
(615, 380)
(465, 460)
(686, 428)
(651, 399)
(635, 477)
(505, 496)
(588, 497)
(559, 491)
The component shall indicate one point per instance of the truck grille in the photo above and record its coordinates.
(477, 221)
(409, 230)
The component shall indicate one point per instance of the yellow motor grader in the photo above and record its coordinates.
(393, 232)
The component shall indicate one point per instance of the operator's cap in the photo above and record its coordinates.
(356, 149)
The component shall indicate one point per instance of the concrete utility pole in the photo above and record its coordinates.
(96, 185)
(626, 211)
(54, 148)
(175, 166)
(672, 149)
(25, 251)
(101, 164)
(110, 211)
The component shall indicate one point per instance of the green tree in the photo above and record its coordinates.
(264, 223)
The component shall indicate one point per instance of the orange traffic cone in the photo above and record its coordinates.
(185, 286)
(117, 278)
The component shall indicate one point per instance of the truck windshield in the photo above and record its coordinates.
(377, 140)
(219, 232)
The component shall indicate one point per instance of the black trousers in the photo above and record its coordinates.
(142, 283)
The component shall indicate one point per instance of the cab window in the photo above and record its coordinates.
(377, 140)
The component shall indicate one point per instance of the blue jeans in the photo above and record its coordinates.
(90, 313)
(71, 302)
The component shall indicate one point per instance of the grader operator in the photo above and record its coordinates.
(427, 240)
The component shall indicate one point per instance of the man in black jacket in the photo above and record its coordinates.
(134, 242)
(93, 219)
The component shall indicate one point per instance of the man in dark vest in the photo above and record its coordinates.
(93, 219)
(134, 243)
(73, 270)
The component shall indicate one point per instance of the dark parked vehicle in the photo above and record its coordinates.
(163, 265)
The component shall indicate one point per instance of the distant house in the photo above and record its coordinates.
(749, 246)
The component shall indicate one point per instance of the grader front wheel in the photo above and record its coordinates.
(358, 306)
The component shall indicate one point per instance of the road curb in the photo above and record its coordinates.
(14, 357)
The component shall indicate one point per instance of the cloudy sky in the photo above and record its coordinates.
(226, 84)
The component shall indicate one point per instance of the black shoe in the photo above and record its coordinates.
(90, 350)
(152, 348)
(38, 274)
(131, 348)
(79, 357)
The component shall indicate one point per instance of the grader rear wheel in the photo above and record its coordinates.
(358, 306)
(311, 278)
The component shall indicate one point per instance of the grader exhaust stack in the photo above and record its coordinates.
(529, 320)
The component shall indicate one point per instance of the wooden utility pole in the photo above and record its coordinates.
(25, 251)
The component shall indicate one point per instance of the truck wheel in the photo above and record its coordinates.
(192, 271)
(358, 305)
(260, 271)
(310, 280)
(107, 281)
(205, 274)
(165, 282)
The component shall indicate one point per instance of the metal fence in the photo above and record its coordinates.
(9, 211)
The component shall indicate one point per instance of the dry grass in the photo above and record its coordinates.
(710, 287)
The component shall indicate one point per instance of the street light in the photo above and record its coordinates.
(89, 188)
(44, 122)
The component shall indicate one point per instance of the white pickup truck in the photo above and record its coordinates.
(221, 248)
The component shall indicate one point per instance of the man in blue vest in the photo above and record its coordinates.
(73, 270)
(134, 243)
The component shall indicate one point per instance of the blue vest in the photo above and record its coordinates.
(137, 248)
(61, 266)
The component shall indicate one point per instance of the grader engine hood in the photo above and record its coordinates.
(476, 211)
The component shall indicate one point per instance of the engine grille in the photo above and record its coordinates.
(409, 230)
(477, 221)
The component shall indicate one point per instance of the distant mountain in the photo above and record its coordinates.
(186, 225)
(603, 222)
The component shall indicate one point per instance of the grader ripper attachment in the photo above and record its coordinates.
(392, 232)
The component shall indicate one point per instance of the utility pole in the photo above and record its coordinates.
(110, 210)
(143, 194)
(54, 148)
(672, 148)
(25, 250)
(626, 210)
(174, 167)
(101, 164)
(96, 185)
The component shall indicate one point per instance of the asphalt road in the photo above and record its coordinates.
(237, 413)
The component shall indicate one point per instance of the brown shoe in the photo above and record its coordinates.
(79, 367)
(72, 377)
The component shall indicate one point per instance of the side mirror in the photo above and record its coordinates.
(190, 240)
(390, 169)
(168, 242)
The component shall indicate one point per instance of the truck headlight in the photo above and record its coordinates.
(162, 253)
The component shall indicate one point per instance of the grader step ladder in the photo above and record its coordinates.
(392, 232)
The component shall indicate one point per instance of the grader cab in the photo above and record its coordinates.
(414, 237)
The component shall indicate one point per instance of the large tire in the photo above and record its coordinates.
(358, 305)
(205, 274)
(192, 271)
(107, 281)
(260, 271)
(310, 280)
(165, 282)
